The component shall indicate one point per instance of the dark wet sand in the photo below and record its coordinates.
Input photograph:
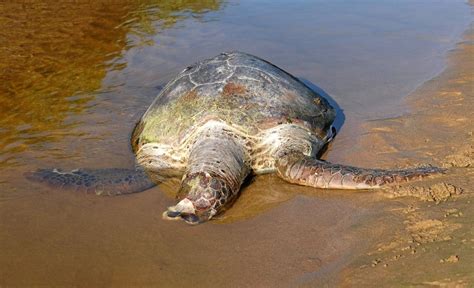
(68, 239)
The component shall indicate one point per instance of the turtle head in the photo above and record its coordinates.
(201, 197)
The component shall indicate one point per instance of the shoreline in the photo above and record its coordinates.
(435, 244)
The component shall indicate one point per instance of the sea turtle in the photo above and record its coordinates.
(219, 121)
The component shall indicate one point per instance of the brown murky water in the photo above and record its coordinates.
(74, 79)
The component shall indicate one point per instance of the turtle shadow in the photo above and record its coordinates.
(340, 116)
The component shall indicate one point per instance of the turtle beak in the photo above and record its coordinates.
(185, 211)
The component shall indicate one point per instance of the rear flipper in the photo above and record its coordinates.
(113, 181)
(303, 170)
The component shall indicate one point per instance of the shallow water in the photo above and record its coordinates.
(75, 78)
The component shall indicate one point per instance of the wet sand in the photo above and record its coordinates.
(434, 243)
(123, 242)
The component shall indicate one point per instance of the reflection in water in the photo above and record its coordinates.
(150, 18)
(57, 55)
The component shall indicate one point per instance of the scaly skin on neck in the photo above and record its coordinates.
(218, 164)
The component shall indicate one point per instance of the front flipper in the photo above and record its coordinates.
(113, 181)
(300, 169)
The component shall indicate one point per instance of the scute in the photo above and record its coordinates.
(245, 91)
(212, 73)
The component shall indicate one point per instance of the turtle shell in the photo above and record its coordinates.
(245, 91)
